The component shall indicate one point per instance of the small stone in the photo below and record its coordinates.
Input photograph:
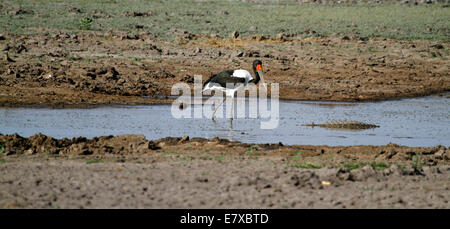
(32, 42)
(200, 179)
(7, 59)
(438, 46)
(10, 152)
(237, 53)
(30, 151)
(184, 139)
(439, 154)
(85, 152)
(153, 146)
(143, 147)
(64, 63)
(235, 34)
(362, 174)
(259, 37)
(280, 36)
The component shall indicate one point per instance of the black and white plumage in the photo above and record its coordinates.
(230, 81)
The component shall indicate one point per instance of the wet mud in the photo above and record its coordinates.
(96, 68)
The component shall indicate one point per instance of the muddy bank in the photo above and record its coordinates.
(130, 172)
(123, 146)
(95, 68)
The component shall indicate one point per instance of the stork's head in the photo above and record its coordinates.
(257, 67)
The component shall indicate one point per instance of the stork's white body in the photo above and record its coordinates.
(240, 73)
(230, 81)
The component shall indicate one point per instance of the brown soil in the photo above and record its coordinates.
(94, 68)
(129, 171)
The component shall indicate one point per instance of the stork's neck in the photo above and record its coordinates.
(257, 78)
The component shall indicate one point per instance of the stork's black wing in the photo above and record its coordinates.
(223, 78)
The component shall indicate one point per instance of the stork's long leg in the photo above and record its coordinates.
(218, 107)
(232, 105)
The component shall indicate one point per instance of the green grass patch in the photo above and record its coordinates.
(378, 166)
(418, 161)
(251, 149)
(295, 161)
(354, 165)
(187, 158)
(2, 161)
(2, 149)
(307, 165)
(85, 23)
(386, 20)
(296, 155)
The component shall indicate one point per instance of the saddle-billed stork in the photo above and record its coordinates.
(235, 80)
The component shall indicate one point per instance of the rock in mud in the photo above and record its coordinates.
(140, 14)
(75, 10)
(439, 155)
(362, 174)
(237, 53)
(79, 149)
(142, 147)
(9, 152)
(437, 46)
(307, 179)
(184, 139)
(20, 12)
(280, 36)
(30, 151)
(8, 59)
(235, 34)
(392, 170)
(188, 79)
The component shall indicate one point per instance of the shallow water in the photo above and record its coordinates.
(412, 122)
